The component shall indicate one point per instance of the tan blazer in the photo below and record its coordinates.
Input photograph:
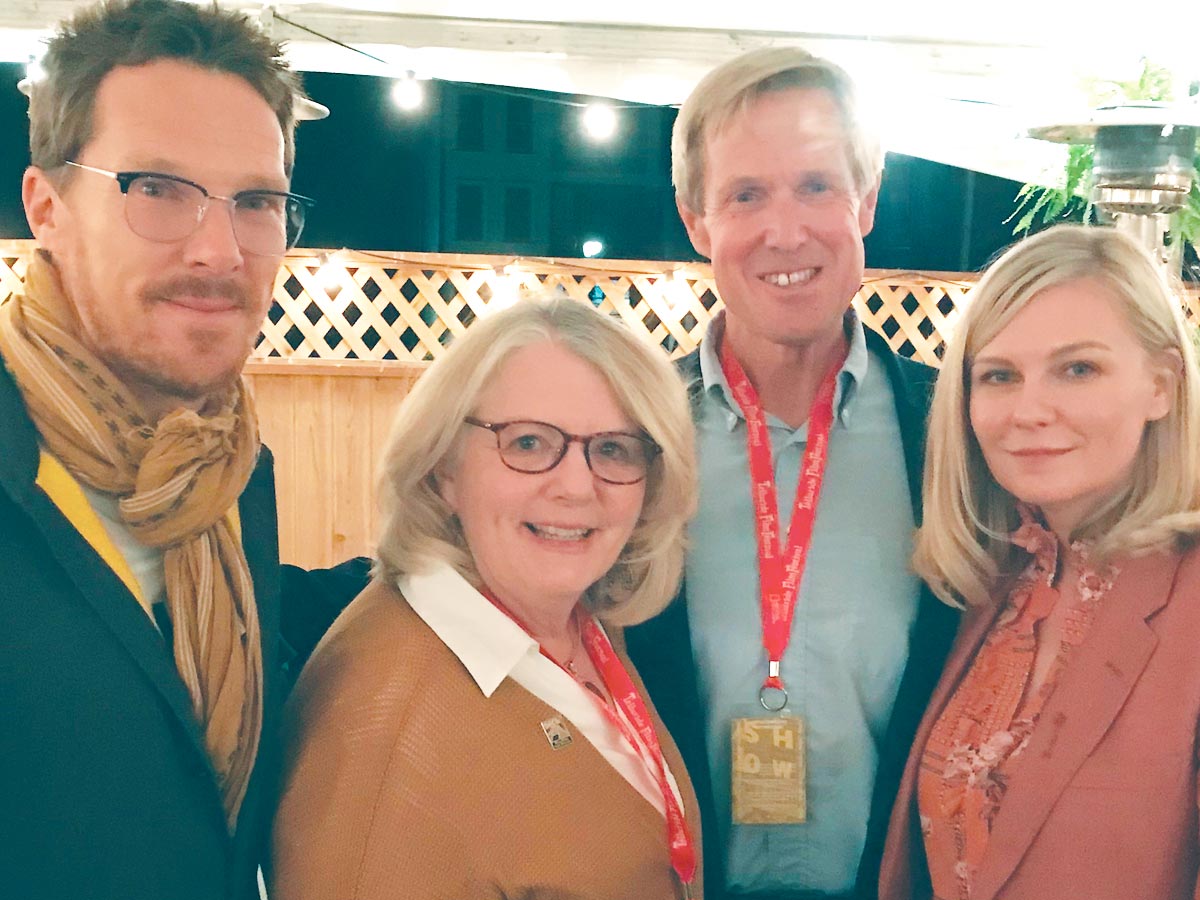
(1103, 802)
(404, 782)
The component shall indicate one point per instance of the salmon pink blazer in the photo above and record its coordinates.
(1102, 804)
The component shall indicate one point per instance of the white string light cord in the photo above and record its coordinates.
(600, 119)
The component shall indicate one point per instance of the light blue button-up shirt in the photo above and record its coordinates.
(849, 643)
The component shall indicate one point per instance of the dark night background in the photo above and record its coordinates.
(498, 170)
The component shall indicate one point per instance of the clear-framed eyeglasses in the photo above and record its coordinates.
(166, 208)
(616, 457)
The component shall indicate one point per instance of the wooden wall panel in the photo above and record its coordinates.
(326, 424)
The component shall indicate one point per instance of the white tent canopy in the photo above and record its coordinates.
(945, 82)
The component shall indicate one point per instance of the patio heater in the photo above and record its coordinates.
(1143, 165)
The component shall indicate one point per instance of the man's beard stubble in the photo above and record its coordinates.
(163, 370)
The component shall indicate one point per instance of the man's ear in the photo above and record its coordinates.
(696, 229)
(44, 208)
(866, 210)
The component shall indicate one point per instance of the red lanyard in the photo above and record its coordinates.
(620, 687)
(781, 569)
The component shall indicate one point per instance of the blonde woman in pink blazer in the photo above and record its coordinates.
(1058, 757)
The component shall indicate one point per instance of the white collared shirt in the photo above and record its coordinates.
(493, 647)
(146, 563)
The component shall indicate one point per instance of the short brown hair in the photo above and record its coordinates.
(732, 86)
(114, 33)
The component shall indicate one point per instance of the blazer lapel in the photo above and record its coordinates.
(912, 383)
(661, 651)
(896, 872)
(975, 627)
(1093, 688)
(99, 586)
(124, 616)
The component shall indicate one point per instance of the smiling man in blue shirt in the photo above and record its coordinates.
(777, 183)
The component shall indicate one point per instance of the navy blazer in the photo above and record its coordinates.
(661, 649)
(108, 792)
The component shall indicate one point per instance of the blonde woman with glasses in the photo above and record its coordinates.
(471, 726)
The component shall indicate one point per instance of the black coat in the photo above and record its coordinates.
(106, 790)
(661, 650)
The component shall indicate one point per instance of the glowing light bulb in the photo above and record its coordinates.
(329, 274)
(408, 94)
(678, 293)
(34, 70)
(592, 248)
(506, 288)
(600, 121)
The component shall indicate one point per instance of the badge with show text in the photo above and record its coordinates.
(769, 771)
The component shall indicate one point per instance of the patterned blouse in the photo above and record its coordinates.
(975, 745)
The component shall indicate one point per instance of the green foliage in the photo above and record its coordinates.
(1186, 222)
(1038, 205)
(1153, 84)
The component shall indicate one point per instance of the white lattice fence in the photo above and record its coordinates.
(345, 306)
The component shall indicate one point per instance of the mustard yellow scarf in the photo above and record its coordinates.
(177, 480)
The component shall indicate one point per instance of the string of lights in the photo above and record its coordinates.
(600, 117)
(912, 276)
(540, 263)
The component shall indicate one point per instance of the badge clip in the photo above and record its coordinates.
(772, 696)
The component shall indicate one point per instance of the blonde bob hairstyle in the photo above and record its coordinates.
(733, 86)
(419, 528)
(962, 547)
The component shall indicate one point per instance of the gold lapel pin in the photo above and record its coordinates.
(556, 732)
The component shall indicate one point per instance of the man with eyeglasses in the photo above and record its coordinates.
(139, 574)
